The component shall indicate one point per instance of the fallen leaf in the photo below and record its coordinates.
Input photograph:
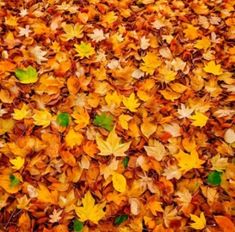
(187, 162)
(213, 68)
(17, 162)
(112, 145)
(199, 222)
(225, 223)
(90, 210)
(27, 76)
(119, 182)
(131, 102)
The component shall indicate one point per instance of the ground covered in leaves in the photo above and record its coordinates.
(117, 115)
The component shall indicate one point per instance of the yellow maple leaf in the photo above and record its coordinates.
(151, 62)
(81, 117)
(199, 119)
(73, 138)
(84, 50)
(191, 32)
(72, 31)
(42, 118)
(24, 112)
(166, 75)
(110, 17)
(112, 145)
(213, 68)
(131, 102)
(11, 21)
(113, 98)
(203, 43)
(17, 162)
(199, 222)
(187, 162)
(90, 210)
(119, 182)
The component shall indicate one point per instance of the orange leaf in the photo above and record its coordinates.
(225, 223)
(68, 158)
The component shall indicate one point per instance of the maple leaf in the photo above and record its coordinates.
(108, 170)
(199, 119)
(84, 50)
(169, 214)
(27, 76)
(42, 118)
(219, 164)
(191, 32)
(24, 31)
(187, 162)
(213, 68)
(55, 216)
(81, 116)
(72, 31)
(38, 54)
(104, 121)
(184, 197)
(151, 62)
(97, 35)
(112, 145)
(144, 43)
(73, 138)
(199, 222)
(24, 112)
(17, 162)
(113, 98)
(23, 202)
(131, 102)
(185, 112)
(110, 17)
(90, 210)
(203, 43)
(119, 182)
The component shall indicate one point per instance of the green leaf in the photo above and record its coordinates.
(125, 161)
(14, 180)
(120, 219)
(27, 76)
(77, 225)
(104, 121)
(63, 119)
(214, 178)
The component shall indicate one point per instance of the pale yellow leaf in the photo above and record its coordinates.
(112, 145)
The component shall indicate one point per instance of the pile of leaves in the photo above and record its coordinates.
(117, 115)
